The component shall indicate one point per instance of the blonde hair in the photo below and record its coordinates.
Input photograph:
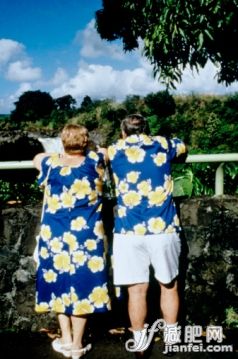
(74, 138)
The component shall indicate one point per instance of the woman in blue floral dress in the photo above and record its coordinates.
(71, 277)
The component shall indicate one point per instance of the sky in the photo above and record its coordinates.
(53, 46)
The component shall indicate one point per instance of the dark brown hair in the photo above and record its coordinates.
(134, 124)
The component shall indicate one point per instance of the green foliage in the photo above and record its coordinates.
(161, 103)
(32, 106)
(86, 105)
(154, 124)
(183, 185)
(19, 192)
(135, 104)
(207, 124)
(231, 317)
(176, 33)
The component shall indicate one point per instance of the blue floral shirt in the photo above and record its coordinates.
(141, 167)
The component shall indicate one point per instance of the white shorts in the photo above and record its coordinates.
(133, 255)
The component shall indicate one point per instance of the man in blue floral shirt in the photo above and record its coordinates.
(146, 230)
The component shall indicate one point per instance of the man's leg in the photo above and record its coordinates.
(169, 302)
(137, 305)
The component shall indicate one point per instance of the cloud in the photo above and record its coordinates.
(22, 71)
(204, 81)
(93, 46)
(9, 49)
(59, 77)
(7, 103)
(100, 81)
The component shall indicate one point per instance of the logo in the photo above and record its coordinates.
(192, 340)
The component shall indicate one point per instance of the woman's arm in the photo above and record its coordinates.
(38, 159)
(103, 150)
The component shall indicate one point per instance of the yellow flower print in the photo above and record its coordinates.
(168, 184)
(160, 159)
(54, 160)
(176, 220)
(83, 307)
(132, 139)
(111, 152)
(144, 187)
(45, 232)
(96, 264)
(132, 176)
(98, 229)
(79, 258)
(50, 276)
(123, 187)
(91, 244)
(99, 297)
(62, 262)
(81, 188)
(121, 211)
(157, 197)
(73, 295)
(162, 141)
(170, 229)
(93, 155)
(93, 197)
(131, 199)
(116, 179)
(53, 203)
(99, 208)
(56, 245)
(57, 305)
(139, 229)
(72, 269)
(146, 140)
(71, 240)
(42, 307)
(156, 225)
(78, 224)
(99, 185)
(135, 154)
(66, 299)
(180, 148)
(120, 144)
(44, 253)
(65, 171)
(67, 200)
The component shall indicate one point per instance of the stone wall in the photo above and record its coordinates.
(208, 279)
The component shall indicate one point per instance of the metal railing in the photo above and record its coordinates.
(219, 158)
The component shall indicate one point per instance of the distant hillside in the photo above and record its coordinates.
(3, 117)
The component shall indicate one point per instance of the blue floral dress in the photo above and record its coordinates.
(71, 275)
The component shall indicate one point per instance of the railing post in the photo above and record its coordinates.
(219, 180)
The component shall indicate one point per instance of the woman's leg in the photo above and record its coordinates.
(65, 326)
(78, 327)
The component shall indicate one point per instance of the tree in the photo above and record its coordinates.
(87, 104)
(161, 103)
(176, 33)
(65, 103)
(32, 106)
(135, 103)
